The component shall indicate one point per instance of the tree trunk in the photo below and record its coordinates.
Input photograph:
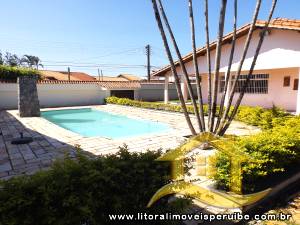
(246, 47)
(173, 68)
(260, 42)
(217, 64)
(182, 65)
(228, 73)
(208, 61)
(199, 90)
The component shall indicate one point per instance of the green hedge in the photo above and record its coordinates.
(149, 105)
(12, 73)
(256, 116)
(276, 150)
(86, 191)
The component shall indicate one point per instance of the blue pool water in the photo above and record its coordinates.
(90, 123)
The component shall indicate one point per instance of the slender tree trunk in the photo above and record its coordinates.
(260, 42)
(228, 73)
(173, 68)
(182, 65)
(246, 47)
(217, 64)
(199, 90)
(208, 61)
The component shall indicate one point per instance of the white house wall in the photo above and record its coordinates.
(279, 57)
(278, 95)
(280, 49)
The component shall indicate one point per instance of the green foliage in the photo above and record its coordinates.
(12, 73)
(276, 151)
(256, 116)
(85, 191)
(147, 105)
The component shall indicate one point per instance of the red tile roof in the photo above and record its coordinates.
(111, 78)
(63, 75)
(278, 23)
(80, 76)
(104, 84)
(130, 77)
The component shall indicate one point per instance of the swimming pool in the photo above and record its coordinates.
(92, 122)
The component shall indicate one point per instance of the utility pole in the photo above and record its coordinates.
(99, 75)
(148, 52)
(69, 74)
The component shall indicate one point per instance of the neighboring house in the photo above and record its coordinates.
(275, 80)
(110, 78)
(64, 75)
(130, 77)
(121, 77)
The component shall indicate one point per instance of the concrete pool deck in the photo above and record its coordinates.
(52, 142)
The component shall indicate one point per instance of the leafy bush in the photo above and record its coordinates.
(85, 191)
(256, 116)
(12, 73)
(276, 151)
(146, 105)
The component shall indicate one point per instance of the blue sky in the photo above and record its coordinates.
(110, 34)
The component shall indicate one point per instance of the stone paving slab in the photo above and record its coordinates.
(52, 142)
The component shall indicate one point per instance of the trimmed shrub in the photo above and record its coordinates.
(276, 152)
(12, 73)
(86, 191)
(256, 116)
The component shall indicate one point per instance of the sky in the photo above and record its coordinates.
(111, 35)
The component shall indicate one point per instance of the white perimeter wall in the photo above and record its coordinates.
(155, 92)
(52, 95)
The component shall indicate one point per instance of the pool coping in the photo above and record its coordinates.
(44, 127)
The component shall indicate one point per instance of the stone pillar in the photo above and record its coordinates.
(298, 94)
(166, 90)
(28, 102)
(184, 89)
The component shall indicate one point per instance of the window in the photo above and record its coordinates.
(296, 84)
(286, 81)
(258, 83)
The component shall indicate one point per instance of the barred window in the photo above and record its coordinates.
(286, 81)
(258, 83)
(296, 84)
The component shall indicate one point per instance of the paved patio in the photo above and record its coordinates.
(52, 142)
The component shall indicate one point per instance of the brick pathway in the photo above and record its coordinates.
(29, 158)
(52, 142)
